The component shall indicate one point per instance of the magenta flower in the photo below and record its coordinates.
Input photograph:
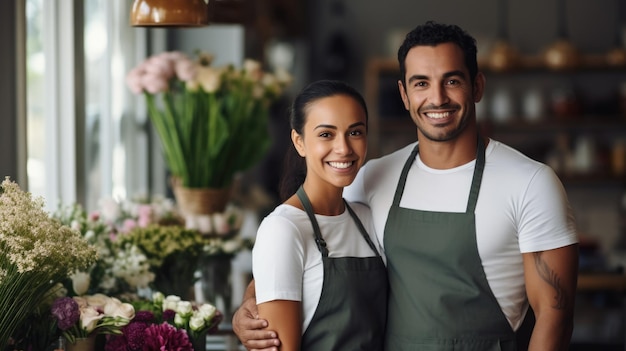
(168, 315)
(166, 337)
(66, 311)
(133, 334)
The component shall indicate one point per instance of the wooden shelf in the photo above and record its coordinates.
(589, 62)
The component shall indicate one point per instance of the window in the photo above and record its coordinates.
(84, 139)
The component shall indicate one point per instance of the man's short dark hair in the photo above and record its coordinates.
(432, 33)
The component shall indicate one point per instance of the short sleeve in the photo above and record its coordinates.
(278, 260)
(547, 220)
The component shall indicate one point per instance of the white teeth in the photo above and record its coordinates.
(340, 164)
(438, 114)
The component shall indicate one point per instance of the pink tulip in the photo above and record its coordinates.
(144, 215)
(128, 225)
(154, 84)
(160, 65)
(134, 80)
(185, 70)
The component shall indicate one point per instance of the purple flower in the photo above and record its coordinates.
(66, 311)
(168, 315)
(144, 316)
(133, 334)
(166, 337)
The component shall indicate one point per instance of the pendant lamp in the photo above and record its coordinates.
(503, 55)
(169, 13)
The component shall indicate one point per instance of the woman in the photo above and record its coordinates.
(320, 280)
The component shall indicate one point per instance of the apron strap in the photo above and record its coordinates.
(361, 229)
(479, 166)
(304, 199)
(403, 175)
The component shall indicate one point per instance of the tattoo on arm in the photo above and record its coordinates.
(550, 277)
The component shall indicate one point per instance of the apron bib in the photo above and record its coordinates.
(352, 310)
(440, 299)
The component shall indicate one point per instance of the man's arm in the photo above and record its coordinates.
(551, 278)
(249, 328)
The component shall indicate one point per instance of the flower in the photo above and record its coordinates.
(118, 269)
(166, 337)
(154, 251)
(212, 121)
(165, 323)
(82, 316)
(36, 253)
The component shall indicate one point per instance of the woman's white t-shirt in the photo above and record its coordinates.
(286, 263)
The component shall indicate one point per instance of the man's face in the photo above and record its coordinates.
(439, 94)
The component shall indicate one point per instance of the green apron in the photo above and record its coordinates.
(439, 298)
(352, 310)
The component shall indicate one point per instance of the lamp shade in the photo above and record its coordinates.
(169, 13)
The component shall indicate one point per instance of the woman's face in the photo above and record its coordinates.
(334, 140)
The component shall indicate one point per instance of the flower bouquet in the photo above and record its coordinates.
(84, 316)
(168, 323)
(212, 121)
(36, 252)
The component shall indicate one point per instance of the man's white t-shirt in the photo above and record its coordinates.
(522, 207)
(286, 263)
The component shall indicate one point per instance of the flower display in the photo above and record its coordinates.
(83, 316)
(36, 253)
(166, 323)
(116, 271)
(142, 243)
(212, 121)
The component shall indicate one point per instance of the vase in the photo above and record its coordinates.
(200, 201)
(216, 282)
(199, 342)
(82, 344)
(176, 276)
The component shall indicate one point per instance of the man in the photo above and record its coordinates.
(473, 230)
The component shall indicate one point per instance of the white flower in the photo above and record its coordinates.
(171, 302)
(89, 318)
(184, 308)
(110, 209)
(197, 322)
(207, 311)
(158, 297)
(253, 69)
(117, 308)
(97, 300)
(80, 282)
(180, 320)
(231, 246)
(209, 78)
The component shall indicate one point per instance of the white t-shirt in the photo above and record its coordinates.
(286, 263)
(522, 207)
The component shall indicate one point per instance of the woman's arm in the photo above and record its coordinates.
(252, 331)
(285, 318)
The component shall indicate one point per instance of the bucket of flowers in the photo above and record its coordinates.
(167, 323)
(81, 318)
(36, 253)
